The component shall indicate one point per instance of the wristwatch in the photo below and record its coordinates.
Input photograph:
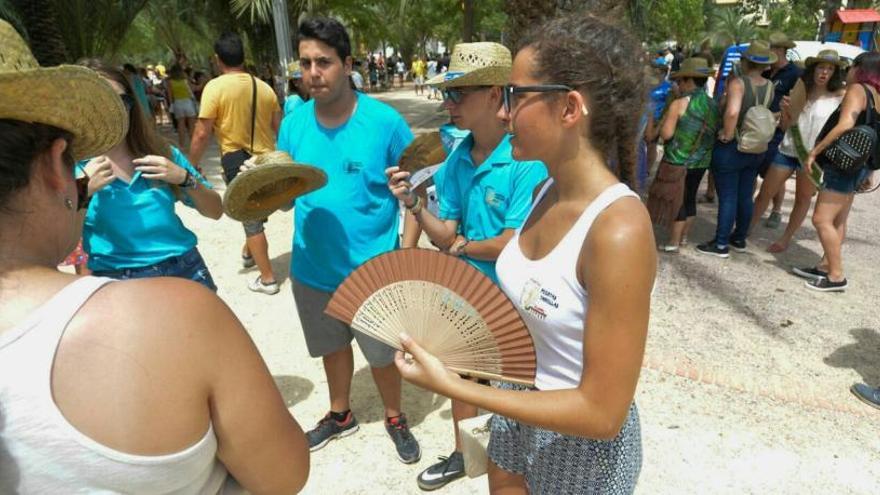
(189, 182)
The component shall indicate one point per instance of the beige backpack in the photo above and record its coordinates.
(759, 124)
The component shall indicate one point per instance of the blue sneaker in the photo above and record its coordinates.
(328, 429)
(866, 394)
(407, 446)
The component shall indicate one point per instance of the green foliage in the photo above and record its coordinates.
(95, 28)
(679, 20)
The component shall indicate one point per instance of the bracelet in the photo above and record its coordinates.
(416, 207)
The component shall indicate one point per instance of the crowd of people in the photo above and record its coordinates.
(538, 192)
(773, 119)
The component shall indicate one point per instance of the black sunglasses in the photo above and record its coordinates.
(456, 94)
(510, 92)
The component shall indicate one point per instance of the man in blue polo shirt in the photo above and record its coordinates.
(485, 194)
(353, 138)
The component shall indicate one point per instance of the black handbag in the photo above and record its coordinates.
(232, 161)
(855, 148)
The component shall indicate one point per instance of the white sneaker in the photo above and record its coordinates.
(259, 286)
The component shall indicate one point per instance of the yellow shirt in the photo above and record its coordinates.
(227, 100)
(419, 68)
(179, 89)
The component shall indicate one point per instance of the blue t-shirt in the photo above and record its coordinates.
(658, 96)
(292, 103)
(133, 225)
(354, 217)
(489, 198)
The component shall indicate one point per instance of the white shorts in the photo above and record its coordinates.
(420, 80)
(184, 108)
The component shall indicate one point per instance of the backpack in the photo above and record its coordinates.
(759, 124)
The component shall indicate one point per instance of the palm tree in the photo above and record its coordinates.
(727, 26)
(38, 18)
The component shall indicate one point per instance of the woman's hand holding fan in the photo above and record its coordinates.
(457, 315)
(423, 369)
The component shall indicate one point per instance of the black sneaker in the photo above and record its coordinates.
(738, 246)
(811, 273)
(712, 249)
(438, 475)
(407, 446)
(864, 393)
(825, 285)
(328, 429)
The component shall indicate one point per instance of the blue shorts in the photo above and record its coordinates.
(843, 184)
(189, 265)
(782, 160)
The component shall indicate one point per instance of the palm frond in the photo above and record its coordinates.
(259, 10)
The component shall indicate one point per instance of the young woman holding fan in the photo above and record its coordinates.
(580, 270)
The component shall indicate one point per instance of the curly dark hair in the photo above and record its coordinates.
(836, 83)
(21, 144)
(602, 60)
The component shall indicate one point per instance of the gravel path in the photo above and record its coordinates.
(745, 385)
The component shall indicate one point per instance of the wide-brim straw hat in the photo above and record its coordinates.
(759, 53)
(476, 64)
(696, 67)
(780, 40)
(69, 97)
(829, 56)
(423, 151)
(273, 183)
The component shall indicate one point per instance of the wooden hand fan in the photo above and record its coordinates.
(424, 151)
(451, 309)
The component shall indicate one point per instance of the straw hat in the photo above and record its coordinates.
(829, 56)
(780, 40)
(476, 64)
(272, 184)
(293, 70)
(759, 53)
(68, 97)
(696, 67)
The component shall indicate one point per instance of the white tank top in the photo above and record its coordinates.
(548, 296)
(41, 453)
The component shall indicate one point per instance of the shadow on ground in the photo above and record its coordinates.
(860, 356)
(280, 267)
(736, 296)
(367, 404)
(294, 389)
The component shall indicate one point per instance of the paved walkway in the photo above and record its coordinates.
(744, 388)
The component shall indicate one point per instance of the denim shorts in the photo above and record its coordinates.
(189, 265)
(833, 180)
(253, 227)
(782, 160)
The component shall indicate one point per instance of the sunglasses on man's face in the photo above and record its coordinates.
(455, 95)
(510, 92)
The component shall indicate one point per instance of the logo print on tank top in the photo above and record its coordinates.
(530, 297)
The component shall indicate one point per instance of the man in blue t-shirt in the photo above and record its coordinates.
(485, 194)
(352, 138)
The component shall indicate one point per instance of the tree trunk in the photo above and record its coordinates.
(467, 32)
(46, 42)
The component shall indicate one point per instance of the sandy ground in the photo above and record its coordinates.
(745, 386)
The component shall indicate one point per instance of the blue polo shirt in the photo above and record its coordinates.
(489, 198)
(133, 225)
(354, 217)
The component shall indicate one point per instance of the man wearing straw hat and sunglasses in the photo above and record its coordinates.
(486, 194)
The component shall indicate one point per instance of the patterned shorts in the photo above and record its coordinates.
(553, 463)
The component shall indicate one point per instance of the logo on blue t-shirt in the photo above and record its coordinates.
(352, 167)
(494, 198)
